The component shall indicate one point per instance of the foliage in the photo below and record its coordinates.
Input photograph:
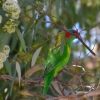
(33, 29)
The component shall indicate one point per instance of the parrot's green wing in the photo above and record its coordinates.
(54, 59)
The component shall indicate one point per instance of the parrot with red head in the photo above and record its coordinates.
(56, 61)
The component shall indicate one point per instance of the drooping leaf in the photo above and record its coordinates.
(33, 69)
(25, 93)
(2, 12)
(26, 2)
(18, 69)
(15, 93)
(45, 1)
(14, 42)
(13, 80)
(34, 58)
(30, 24)
(8, 67)
(92, 26)
(3, 86)
(38, 25)
(29, 32)
(21, 39)
(62, 44)
(43, 33)
(57, 7)
(56, 87)
(3, 39)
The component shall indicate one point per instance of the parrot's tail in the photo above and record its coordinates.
(48, 79)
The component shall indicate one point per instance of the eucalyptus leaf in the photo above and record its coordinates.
(2, 12)
(21, 39)
(3, 39)
(8, 67)
(30, 25)
(3, 86)
(92, 26)
(62, 44)
(57, 6)
(15, 93)
(43, 33)
(34, 58)
(33, 69)
(28, 39)
(26, 2)
(29, 32)
(56, 87)
(38, 25)
(18, 69)
(13, 80)
(14, 42)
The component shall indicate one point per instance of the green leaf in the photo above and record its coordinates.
(29, 32)
(3, 86)
(2, 12)
(62, 44)
(31, 24)
(15, 93)
(92, 26)
(38, 25)
(44, 1)
(3, 39)
(28, 39)
(21, 39)
(13, 80)
(8, 67)
(43, 33)
(26, 2)
(57, 7)
(14, 42)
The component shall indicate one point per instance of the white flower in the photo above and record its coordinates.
(0, 19)
(11, 20)
(9, 27)
(3, 57)
(6, 50)
(12, 7)
(1, 64)
(6, 14)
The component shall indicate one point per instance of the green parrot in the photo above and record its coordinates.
(55, 61)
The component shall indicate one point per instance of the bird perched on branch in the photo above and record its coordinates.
(58, 57)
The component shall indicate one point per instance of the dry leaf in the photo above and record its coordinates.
(56, 87)
(25, 93)
(34, 69)
(18, 71)
(36, 54)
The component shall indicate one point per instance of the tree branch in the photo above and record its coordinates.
(27, 80)
(80, 96)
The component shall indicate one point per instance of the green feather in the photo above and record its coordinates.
(48, 80)
(55, 62)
